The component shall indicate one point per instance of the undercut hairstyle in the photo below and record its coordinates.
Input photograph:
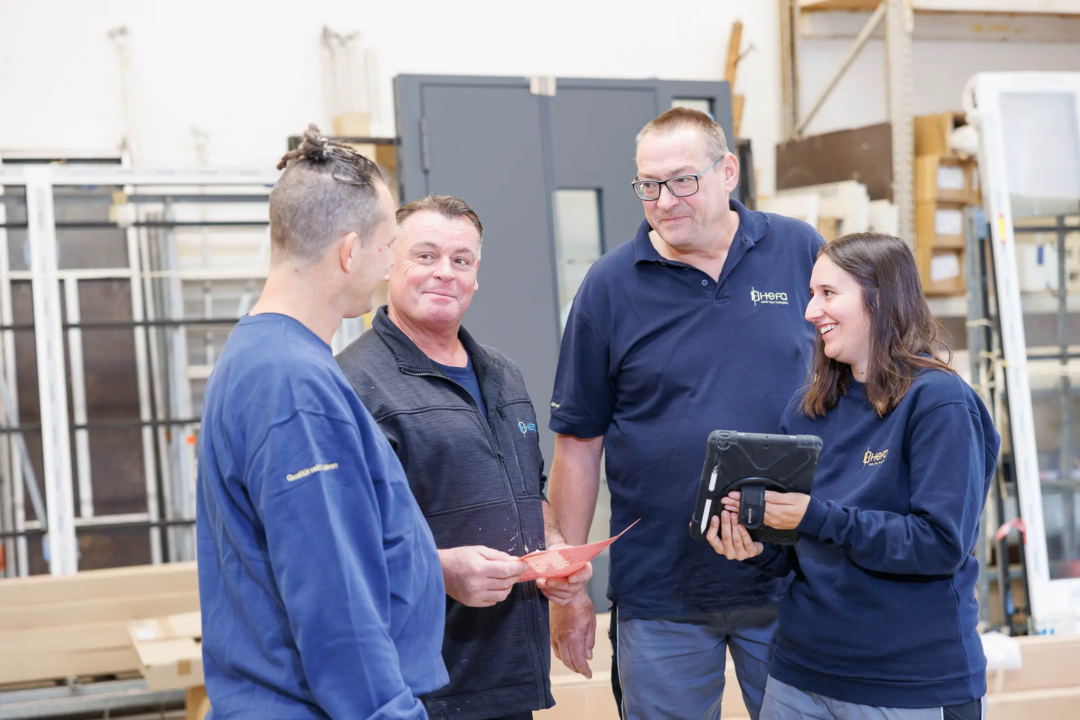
(904, 337)
(449, 207)
(680, 118)
(327, 190)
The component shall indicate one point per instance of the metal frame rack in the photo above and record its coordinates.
(898, 19)
(987, 377)
(1028, 133)
(164, 215)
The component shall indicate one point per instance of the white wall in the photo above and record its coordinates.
(249, 73)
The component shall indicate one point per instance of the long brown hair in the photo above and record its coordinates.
(904, 336)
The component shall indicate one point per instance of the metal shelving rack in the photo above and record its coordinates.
(153, 208)
(904, 21)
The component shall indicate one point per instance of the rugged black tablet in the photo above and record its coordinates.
(753, 463)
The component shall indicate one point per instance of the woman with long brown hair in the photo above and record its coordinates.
(880, 618)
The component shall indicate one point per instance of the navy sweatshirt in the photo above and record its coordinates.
(322, 593)
(882, 610)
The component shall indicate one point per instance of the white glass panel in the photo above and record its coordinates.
(702, 104)
(577, 242)
(1042, 152)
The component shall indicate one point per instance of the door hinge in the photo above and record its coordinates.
(542, 85)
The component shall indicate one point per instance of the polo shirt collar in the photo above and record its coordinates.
(753, 226)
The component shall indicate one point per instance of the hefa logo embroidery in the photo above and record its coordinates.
(872, 458)
(768, 298)
(526, 427)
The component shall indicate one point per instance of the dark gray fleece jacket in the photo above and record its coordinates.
(478, 481)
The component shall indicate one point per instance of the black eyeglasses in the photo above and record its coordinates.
(679, 186)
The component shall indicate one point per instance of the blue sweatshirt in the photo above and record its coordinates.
(321, 590)
(882, 610)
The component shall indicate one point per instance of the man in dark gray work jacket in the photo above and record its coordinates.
(460, 420)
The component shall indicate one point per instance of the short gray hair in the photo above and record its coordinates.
(679, 118)
(327, 190)
(449, 207)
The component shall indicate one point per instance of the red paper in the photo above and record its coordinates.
(564, 561)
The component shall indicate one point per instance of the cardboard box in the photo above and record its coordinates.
(939, 225)
(941, 271)
(169, 650)
(946, 179)
(1056, 704)
(932, 133)
(76, 626)
(1050, 661)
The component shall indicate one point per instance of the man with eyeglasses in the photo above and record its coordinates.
(693, 326)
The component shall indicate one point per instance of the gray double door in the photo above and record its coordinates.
(509, 154)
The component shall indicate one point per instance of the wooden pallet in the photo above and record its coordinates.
(76, 626)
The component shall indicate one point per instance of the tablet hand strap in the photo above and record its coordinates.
(752, 506)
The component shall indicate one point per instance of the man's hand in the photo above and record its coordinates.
(479, 576)
(561, 590)
(730, 539)
(573, 633)
(783, 511)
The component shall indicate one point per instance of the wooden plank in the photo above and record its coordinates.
(52, 652)
(143, 580)
(1018, 7)
(734, 43)
(196, 703)
(96, 611)
(78, 638)
(789, 70)
(184, 625)
(828, 5)
(862, 154)
(26, 667)
(969, 27)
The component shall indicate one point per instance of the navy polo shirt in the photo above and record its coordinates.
(655, 356)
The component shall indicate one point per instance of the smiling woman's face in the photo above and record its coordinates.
(837, 310)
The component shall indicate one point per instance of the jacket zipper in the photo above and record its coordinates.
(528, 590)
(495, 444)
(517, 458)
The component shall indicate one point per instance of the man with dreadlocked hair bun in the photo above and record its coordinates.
(321, 590)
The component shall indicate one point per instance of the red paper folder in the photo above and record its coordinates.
(564, 561)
